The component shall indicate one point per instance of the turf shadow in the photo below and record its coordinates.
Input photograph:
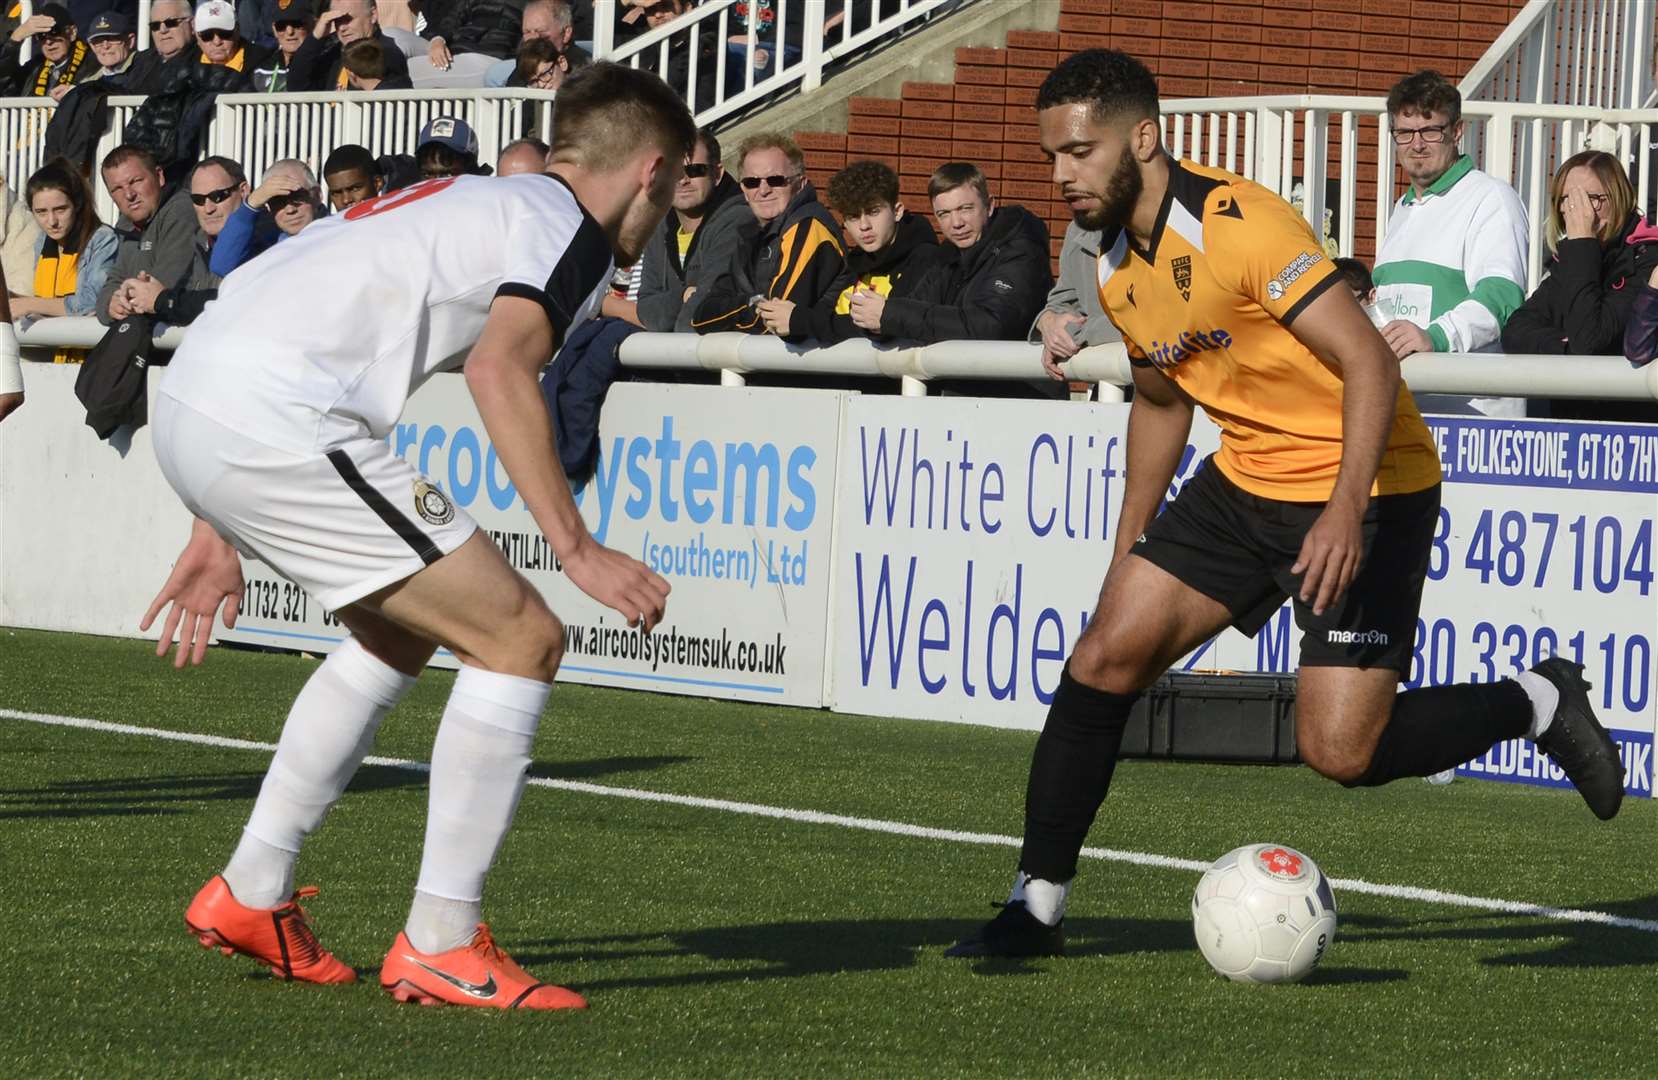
(1528, 942)
(600, 767)
(798, 949)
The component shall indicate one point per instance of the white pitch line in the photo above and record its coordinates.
(893, 828)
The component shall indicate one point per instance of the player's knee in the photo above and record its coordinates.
(530, 643)
(1107, 661)
(1348, 766)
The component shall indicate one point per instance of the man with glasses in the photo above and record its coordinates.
(544, 20)
(113, 44)
(285, 202)
(698, 239)
(1452, 267)
(791, 250)
(172, 41)
(218, 187)
(290, 28)
(221, 43)
(60, 62)
(157, 228)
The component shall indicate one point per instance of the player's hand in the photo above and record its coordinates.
(620, 582)
(208, 574)
(10, 403)
(1406, 337)
(866, 308)
(1330, 557)
(272, 186)
(776, 315)
(1057, 342)
(438, 54)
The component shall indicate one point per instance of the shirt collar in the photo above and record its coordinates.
(1463, 166)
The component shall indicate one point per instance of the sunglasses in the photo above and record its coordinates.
(278, 203)
(696, 171)
(753, 182)
(216, 35)
(287, 24)
(214, 197)
(166, 24)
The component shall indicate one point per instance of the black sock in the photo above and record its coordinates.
(1440, 727)
(1069, 775)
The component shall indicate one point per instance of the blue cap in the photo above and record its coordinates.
(109, 24)
(452, 132)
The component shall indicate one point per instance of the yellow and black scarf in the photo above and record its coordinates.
(66, 73)
(56, 276)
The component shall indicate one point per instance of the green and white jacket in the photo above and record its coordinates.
(1454, 260)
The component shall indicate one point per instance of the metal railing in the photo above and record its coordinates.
(1570, 52)
(722, 62)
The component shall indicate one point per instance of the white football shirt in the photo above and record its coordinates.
(324, 337)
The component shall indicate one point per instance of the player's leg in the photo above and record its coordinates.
(1184, 581)
(509, 644)
(1353, 726)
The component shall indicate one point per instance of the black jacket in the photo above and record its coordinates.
(1583, 305)
(491, 27)
(149, 72)
(904, 264)
(172, 123)
(664, 278)
(22, 80)
(796, 256)
(78, 122)
(989, 292)
(316, 65)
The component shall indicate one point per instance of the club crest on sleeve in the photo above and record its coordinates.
(432, 505)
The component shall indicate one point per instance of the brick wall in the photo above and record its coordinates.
(1201, 48)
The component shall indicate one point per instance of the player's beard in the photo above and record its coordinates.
(1122, 191)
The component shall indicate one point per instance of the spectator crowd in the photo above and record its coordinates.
(757, 250)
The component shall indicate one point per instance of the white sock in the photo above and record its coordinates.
(328, 733)
(478, 764)
(1545, 699)
(1043, 899)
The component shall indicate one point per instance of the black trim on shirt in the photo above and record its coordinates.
(580, 268)
(1312, 294)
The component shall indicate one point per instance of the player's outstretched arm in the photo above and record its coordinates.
(206, 576)
(501, 373)
(1337, 331)
(1159, 423)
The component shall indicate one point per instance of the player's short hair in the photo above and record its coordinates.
(861, 187)
(772, 140)
(1425, 93)
(232, 169)
(606, 112)
(350, 156)
(365, 59)
(1356, 275)
(1113, 85)
(953, 174)
(709, 142)
(128, 152)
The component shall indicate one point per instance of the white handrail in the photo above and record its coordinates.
(1576, 52)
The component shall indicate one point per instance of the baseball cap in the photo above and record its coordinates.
(61, 19)
(215, 15)
(454, 133)
(109, 24)
(292, 11)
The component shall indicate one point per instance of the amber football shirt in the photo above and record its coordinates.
(1210, 303)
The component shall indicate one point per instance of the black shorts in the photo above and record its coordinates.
(1237, 549)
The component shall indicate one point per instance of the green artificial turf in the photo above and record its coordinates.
(713, 943)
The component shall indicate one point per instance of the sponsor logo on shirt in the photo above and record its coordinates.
(1289, 275)
(1168, 355)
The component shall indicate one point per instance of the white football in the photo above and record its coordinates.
(1264, 913)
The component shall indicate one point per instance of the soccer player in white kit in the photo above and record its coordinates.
(272, 429)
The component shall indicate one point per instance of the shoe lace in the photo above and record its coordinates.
(483, 943)
(303, 947)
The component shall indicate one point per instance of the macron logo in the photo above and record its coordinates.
(1356, 637)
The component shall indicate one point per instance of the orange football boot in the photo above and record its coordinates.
(280, 938)
(476, 974)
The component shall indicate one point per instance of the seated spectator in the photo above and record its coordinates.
(284, 203)
(217, 188)
(221, 43)
(1640, 337)
(995, 276)
(766, 45)
(113, 44)
(172, 42)
(791, 250)
(365, 68)
(697, 240)
(73, 254)
(540, 65)
(157, 230)
(448, 147)
(290, 29)
(19, 240)
(891, 254)
(487, 27)
(60, 59)
(352, 175)
(319, 63)
(528, 155)
(1452, 265)
(1073, 319)
(548, 20)
(1600, 252)
(647, 15)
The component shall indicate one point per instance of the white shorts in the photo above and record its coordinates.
(340, 524)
